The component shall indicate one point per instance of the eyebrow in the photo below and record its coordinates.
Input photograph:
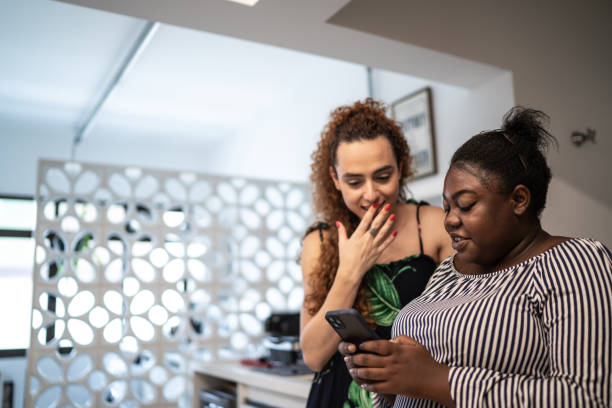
(381, 170)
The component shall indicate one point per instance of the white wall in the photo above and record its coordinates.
(459, 113)
(14, 369)
(571, 212)
(275, 144)
(562, 71)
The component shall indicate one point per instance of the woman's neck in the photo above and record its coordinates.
(531, 243)
(529, 246)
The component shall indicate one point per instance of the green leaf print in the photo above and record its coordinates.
(384, 300)
(357, 397)
(402, 270)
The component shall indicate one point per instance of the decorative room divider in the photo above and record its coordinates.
(138, 272)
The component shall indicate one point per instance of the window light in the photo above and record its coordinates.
(249, 3)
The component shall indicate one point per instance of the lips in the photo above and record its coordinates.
(459, 243)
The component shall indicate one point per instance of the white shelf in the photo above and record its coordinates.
(271, 389)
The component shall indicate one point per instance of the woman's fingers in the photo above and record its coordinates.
(382, 224)
(380, 387)
(403, 339)
(380, 347)
(368, 374)
(388, 236)
(346, 348)
(368, 360)
(366, 221)
(341, 233)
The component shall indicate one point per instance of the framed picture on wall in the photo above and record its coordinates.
(415, 114)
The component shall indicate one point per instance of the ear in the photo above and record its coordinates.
(520, 199)
(334, 176)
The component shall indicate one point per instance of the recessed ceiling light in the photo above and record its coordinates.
(250, 3)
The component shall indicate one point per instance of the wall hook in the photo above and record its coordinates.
(578, 138)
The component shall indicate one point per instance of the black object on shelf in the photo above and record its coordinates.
(297, 368)
(257, 404)
(7, 394)
(217, 399)
(283, 349)
(283, 324)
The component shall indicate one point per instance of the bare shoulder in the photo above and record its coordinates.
(432, 216)
(434, 233)
(311, 251)
(311, 246)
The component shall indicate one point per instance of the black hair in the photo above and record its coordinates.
(512, 155)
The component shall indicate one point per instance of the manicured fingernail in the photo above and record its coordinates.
(375, 205)
(346, 359)
(364, 386)
(337, 224)
(353, 371)
(387, 207)
(394, 233)
(392, 217)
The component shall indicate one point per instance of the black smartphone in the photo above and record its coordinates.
(350, 325)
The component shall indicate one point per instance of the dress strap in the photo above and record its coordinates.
(419, 224)
(321, 227)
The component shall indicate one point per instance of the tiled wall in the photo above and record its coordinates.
(139, 271)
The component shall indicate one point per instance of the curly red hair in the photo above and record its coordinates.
(364, 120)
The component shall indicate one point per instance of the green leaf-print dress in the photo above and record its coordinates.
(391, 287)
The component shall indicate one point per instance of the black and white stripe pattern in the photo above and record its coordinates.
(538, 334)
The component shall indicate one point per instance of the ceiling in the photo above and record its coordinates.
(303, 26)
(557, 51)
(191, 84)
(214, 73)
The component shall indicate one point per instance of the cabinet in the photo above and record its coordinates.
(250, 386)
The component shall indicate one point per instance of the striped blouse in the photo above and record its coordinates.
(537, 334)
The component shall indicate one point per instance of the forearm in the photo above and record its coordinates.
(318, 340)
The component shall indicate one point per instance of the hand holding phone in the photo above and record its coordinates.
(351, 326)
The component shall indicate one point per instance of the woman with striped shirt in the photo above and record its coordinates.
(516, 317)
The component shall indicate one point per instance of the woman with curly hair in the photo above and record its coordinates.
(380, 251)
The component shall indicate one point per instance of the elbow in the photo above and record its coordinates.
(313, 363)
(311, 360)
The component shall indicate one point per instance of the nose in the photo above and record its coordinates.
(370, 193)
(451, 221)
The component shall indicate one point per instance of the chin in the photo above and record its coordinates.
(358, 211)
(466, 258)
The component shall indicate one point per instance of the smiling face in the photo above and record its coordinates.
(366, 172)
(483, 223)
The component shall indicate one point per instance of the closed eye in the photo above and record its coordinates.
(466, 208)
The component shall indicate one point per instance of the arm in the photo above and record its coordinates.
(576, 295)
(317, 339)
(357, 254)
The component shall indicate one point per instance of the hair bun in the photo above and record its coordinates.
(525, 126)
